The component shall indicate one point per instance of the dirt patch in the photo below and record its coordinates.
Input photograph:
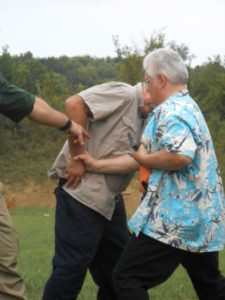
(41, 195)
(29, 194)
(132, 197)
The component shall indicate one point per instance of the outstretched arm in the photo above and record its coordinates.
(43, 113)
(117, 165)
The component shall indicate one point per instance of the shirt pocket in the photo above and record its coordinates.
(121, 143)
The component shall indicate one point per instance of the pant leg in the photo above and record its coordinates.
(110, 249)
(11, 283)
(78, 231)
(144, 264)
(203, 269)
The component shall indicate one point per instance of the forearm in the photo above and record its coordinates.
(78, 112)
(44, 114)
(118, 165)
(163, 160)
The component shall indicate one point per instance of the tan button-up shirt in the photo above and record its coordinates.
(117, 108)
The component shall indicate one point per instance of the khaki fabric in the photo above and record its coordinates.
(11, 283)
(117, 108)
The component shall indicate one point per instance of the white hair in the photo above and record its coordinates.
(168, 62)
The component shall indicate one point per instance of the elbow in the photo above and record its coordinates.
(72, 102)
(76, 105)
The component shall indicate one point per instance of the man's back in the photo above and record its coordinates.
(115, 109)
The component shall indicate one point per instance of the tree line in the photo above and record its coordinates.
(27, 150)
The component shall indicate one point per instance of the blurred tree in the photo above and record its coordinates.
(55, 79)
(130, 58)
(6, 66)
(207, 84)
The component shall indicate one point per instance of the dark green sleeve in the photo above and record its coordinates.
(15, 103)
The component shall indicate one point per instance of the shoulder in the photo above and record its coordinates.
(110, 92)
(182, 109)
(107, 88)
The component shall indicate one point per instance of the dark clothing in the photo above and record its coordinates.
(15, 103)
(84, 239)
(147, 263)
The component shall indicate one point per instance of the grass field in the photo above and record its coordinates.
(35, 226)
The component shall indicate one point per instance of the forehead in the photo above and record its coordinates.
(146, 76)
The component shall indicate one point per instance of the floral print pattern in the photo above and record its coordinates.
(184, 208)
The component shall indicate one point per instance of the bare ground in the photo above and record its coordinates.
(41, 195)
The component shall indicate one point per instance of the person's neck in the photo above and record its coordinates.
(172, 89)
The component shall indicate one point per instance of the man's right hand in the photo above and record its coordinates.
(74, 172)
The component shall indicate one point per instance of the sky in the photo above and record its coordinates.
(86, 27)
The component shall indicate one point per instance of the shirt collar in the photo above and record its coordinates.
(180, 93)
(140, 97)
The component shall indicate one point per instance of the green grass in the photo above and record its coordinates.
(36, 232)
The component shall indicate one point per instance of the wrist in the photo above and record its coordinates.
(67, 126)
(92, 166)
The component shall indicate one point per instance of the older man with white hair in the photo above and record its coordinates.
(182, 217)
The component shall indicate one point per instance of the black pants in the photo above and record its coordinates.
(84, 240)
(147, 263)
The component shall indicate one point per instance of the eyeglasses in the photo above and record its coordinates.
(146, 82)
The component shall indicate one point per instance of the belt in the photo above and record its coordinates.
(62, 181)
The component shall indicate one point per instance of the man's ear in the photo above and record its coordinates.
(162, 80)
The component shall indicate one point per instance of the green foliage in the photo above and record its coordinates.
(6, 63)
(28, 150)
(82, 71)
(130, 58)
(54, 79)
(130, 62)
(207, 84)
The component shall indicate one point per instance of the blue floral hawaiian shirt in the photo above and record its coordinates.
(184, 208)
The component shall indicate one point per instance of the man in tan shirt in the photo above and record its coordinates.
(91, 229)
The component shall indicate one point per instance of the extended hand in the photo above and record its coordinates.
(78, 133)
(140, 154)
(88, 160)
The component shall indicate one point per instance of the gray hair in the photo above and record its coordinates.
(168, 62)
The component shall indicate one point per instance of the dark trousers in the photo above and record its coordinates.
(147, 263)
(84, 239)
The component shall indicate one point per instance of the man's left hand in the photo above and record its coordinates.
(74, 172)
